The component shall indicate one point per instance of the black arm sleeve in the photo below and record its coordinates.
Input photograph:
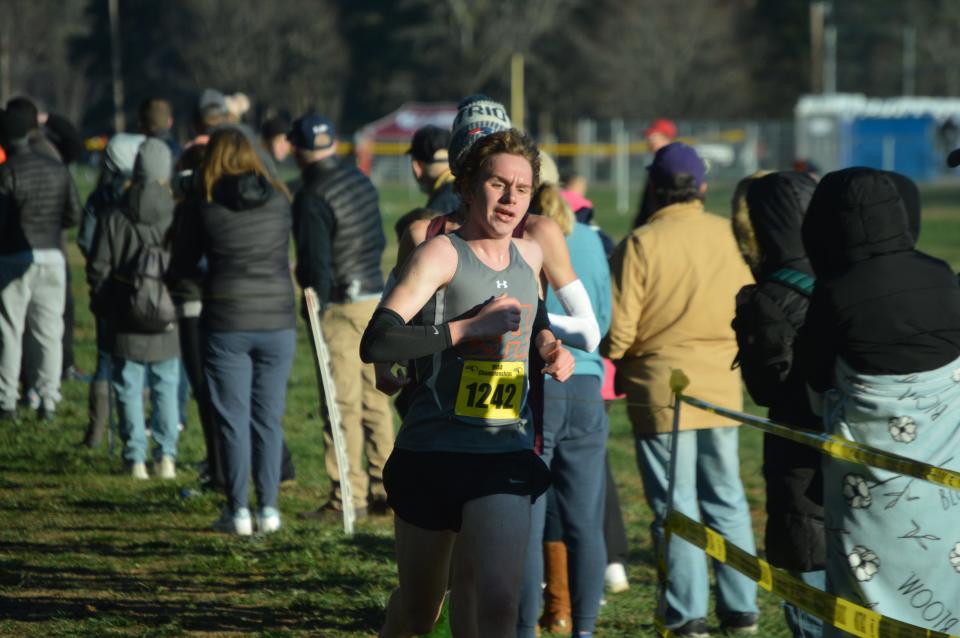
(542, 320)
(388, 339)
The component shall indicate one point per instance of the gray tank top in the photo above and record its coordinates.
(472, 397)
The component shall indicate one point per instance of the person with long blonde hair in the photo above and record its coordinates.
(243, 230)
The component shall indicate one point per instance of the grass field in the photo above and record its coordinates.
(85, 551)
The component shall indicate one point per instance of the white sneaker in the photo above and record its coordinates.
(139, 471)
(616, 577)
(239, 522)
(168, 468)
(268, 520)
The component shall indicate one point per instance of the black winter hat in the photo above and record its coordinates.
(273, 127)
(26, 109)
(429, 144)
(15, 125)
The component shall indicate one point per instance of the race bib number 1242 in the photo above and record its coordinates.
(490, 389)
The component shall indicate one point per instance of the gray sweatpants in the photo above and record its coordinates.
(33, 289)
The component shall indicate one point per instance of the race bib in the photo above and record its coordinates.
(490, 389)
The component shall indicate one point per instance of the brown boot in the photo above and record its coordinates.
(556, 597)
(99, 406)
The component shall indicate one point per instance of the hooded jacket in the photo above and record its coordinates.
(244, 233)
(769, 315)
(142, 218)
(881, 305)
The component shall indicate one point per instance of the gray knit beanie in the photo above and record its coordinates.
(477, 116)
(154, 162)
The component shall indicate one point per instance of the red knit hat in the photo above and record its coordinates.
(662, 126)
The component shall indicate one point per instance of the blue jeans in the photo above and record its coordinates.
(162, 377)
(575, 430)
(247, 375)
(802, 624)
(707, 480)
(104, 373)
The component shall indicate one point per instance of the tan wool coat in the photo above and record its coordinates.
(675, 281)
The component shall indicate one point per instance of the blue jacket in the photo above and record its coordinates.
(590, 263)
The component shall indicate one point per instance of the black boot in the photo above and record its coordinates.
(99, 406)
(288, 473)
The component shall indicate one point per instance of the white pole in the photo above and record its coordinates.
(830, 60)
(909, 60)
(329, 396)
(586, 129)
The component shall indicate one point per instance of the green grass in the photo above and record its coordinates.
(84, 551)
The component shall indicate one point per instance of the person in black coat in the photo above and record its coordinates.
(860, 236)
(880, 349)
(242, 227)
(767, 218)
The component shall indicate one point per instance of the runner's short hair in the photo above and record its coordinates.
(511, 142)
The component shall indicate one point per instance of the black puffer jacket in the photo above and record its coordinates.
(143, 217)
(882, 306)
(187, 285)
(244, 233)
(769, 314)
(339, 232)
(37, 201)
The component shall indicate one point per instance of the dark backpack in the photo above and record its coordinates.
(149, 307)
(766, 327)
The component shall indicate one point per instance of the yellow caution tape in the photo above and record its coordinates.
(562, 149)
(662, 629)
(842, 614)
(839, 448)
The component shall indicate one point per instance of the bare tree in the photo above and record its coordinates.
(646, 58)
(468, 44)
(34, 53)
(938, 29)
(286, 53)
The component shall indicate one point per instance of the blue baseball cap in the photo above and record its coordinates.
(675, 159)
(312, 132)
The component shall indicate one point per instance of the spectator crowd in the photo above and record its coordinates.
(508, 323)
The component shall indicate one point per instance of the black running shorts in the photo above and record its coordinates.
(429, 489)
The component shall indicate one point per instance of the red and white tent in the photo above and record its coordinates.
(391, 133)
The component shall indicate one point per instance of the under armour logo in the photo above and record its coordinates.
(501, 284)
